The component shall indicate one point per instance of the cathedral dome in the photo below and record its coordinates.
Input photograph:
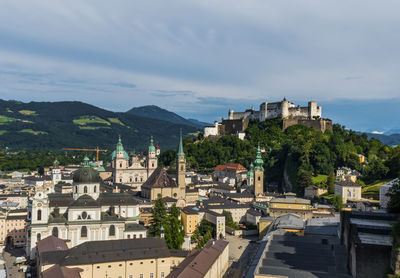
(86, 174)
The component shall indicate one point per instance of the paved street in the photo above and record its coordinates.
(240, 257)
(9, 256)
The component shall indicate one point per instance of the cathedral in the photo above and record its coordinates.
(134, 170)
(86, 214)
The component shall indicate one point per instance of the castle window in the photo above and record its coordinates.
(111, 232)
(95, 189)
(39, 215)
(55, 232)
(83, 231)
(85, 189)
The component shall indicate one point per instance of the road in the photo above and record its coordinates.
(240, 257)
(9, 256)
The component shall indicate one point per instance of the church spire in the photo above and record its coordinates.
(259, 162)
(151, 146)
(180, 148)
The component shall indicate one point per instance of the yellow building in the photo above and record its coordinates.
(126, 258)
(291, 204)
(190, 219)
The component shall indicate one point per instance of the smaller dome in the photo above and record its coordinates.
(86, 174)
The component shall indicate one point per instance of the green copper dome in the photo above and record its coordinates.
(86, 174)
(180, 147)
(119, 148)
(259, 162)
(152, 149)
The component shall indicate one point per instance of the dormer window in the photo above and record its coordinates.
(84, 215)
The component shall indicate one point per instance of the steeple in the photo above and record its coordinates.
(259, 162)
(151, 146)
(119, 148)
(86, 161)
(180, 148)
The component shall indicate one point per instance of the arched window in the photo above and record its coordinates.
(259, 178)
(120, 165)
(38, 237)
(152, 164)
(181, 167)
(39, 214)
(111, 232)
(55, 232)
(135, 178)
(83, 231)
(129, 236)
(85, 189)
(95, 189)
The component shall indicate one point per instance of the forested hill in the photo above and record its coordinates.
(300, 153)
(155, 112)
(53, 125)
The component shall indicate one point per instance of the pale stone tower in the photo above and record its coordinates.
(56, 172)
(285, 108)
(151, 158)
(180, 165)
(258, 174)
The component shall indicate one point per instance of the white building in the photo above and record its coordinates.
(85, 215)
(348, 190)
(383, 191)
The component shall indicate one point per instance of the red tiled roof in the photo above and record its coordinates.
(57, 271)
(236, 166)
(51, 243)
(220, 168)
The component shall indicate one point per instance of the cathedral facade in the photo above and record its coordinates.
(84, 215)
(134, 170)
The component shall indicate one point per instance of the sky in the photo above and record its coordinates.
(201, 58)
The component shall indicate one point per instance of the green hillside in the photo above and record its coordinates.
(155, 112)
(54, 125)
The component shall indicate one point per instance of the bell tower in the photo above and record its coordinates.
(180, 165)
(151, 158)
(258, 174)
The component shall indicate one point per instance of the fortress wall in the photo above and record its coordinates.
(320, 124)
(234, 126)
(299, 112)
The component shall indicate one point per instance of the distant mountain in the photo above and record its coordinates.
(198, 123)
(155, 112)
(391, 140)
(54, 125)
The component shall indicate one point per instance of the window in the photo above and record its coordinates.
(111, 232)
(120, 165)
(259, 178)
(120, 264)
(152, 164)
(130, 276)
(152, 275)
(38, 237)
(84, 215)
(129, 236)
(95, 189)
(135, 179)
(141, 275)
(55, 232)
(162, 275)
(98, 267)
(130, 179)
(109, 266)
(85, 189)
(39, 214)
(120, 180)
(134, 236)
(141, 236)
(83, 231)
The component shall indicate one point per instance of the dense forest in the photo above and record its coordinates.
(300, 152)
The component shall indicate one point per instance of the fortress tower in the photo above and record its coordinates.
(258, 174)
(151, 158)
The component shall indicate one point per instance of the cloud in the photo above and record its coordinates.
(199, 56)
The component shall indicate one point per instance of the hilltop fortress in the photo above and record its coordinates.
(291, 114)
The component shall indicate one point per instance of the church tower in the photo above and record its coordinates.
(56, 172)
(151, 158)
(180, 165)
(258, 174)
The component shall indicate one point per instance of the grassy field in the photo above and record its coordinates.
(373, 188)
(28, 112)
(116, 121)
(2, 132)
(87, 120)
(5, 119)
(31, 131)
(319, 179)
(93, 127)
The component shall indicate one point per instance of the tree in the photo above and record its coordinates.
(331, 183)
(394, 195)
(337, 202)
(159, 218)
(304, 179)
(174, 234)
(229, 220)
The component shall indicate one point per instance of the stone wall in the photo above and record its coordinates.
(318, 124)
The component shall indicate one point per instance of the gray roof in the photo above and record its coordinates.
(347, 183)
(108, 251)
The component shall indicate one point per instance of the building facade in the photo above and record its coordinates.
(85, 215)
(134, 170)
